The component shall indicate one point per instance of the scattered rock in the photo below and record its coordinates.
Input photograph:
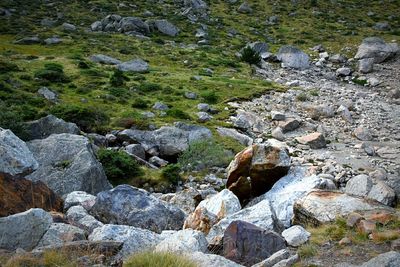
(46, 126)
(53, 41)
(68, 27)
(166, 27)
(158, 162)
(362, 133)
(136, 65)
(184, 241)
(137, 150)
(292, 57)
(187, 199)
(160, 106)
(201, 219)
(79, 217)
(232, 133)
(60, 233)
(103, 59)
(277, 133)
(203, 117)
(277, 116)
(288, 125)
(314, 140)
(28, 41)
(376, 48)
(366, 65)
(245, 8)
(344, 71)
(296, 235)
(278, 256)
(388, 259)
(203, 259)
(79, 198)
(382, 26)
(48, 94)
(223, 204)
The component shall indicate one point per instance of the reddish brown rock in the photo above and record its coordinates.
(353, 219)
(314, 140)
(19, 195)
(201, 220)
(366, 226)
(263, 163)
(248, 244)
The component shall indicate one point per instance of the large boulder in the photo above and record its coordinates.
(49, 125)
(166, 27)
(264, 163)
(132, 206)
(60, 233)
(320, 206)
(135, 65)
(24, 230)
(248, 244)
(364, 186)
(79, 198)
(223, 204)
(292, 57)
(169, 140)
(211, 260)
(261, 215)
(19, 194)
(133, 24)
(376, 48)
(187, 240)
(15, 156)
(67, 164)
(134, 239)
(79, 217)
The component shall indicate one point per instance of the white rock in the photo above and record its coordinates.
(187, 240)
(296, 235)
(223, 204)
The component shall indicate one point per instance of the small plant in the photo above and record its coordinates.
(10, 119)
(119, 91)
(302, 97)
(150, 87)
(171, 173)
(210, 97)
(314, 92)
(7, 67)
(140, 103)
(178, 114)
(118, 78)
(159, 259)
(52, 72)
(307, 251)
(250, 56)
(119, 166)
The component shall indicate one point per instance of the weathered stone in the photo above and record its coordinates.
(362, 133)
(28, 40)
(343, 71)
(187, 199)
(79, 217)
(206, 260)
(19, 194)
(166, 27)
(60, 233)
(15, 157)
(388, 259)
(49, 125)
(48, 94)
(366, 65)
(158, 162)
(296, 235)
(245, 8)
(289, 125)
(134, 239)
(248, 244)
(201, 219)
(79, 198)
(52, 41)
(353, 218)
(278, 256)
(203, 116)
(223, 204)
(232, 133)
(376, 48)
(136, 65)
(187, 240)
(67, 164)
(314, 140)
(68, 27)
(277, 133)
(137, 150)
(133, 24)
(24, 230)
(292, 57)
(132, 206)
(277, 116)
(103, 59)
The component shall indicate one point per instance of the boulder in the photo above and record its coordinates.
(166, 27)
(319, 207)
(211, 260)
(203, 116)
(49, 125)
(48, 94)
(135, 65)
(201, 219)
(60, 233)
(187, 199)
(296, 236)
(223, 204)
(24, 230)
(79, 198)
(289, 124)
(362, 133)
(292, 57)
(67, 164)
(79, 217)
(245, 8)
(133, 24)
(170, 140)
(366, 65)
(137, 150)
(134, 239)
(68, 27)
(263, 163)
(15, 156)
(103, 59)
(364, 186)
(248, 121)
(278, 256)
(132, 206)
(388, 259)
(261, 215)
(183, 241)
(376, 48)
(314, 140)
(248, 244)
(19, 194)
(234, 134)
(259, 47)
(343, 71)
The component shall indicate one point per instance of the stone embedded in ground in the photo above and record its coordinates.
(376, 48)
(314, 140)
(24, 230)
(79, 217)
(388, 259)
(344, 71)
(79, 198)
(137, 150)
(19, 195)
(278, 256)
(166, 27)
(248, 244)
(277, 116)
(292, 57)
(187, 240)
(289, 125)
(103, 59)
(60, 233)
(366, 226)
(263, 163)
(16, 158)
(128, 205)
(362, 133)
(296, 235)
(203, 259)
(135, 65)
(233, 133)
(46, 126)
(353, 218)
(245, 8)
(366, 65)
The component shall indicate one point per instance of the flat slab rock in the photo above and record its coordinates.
(319, 207)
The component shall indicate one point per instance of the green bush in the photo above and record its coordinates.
(204, 154)
(210, 97)
(118, 78)
(178, 114)
(7, 67)
(250, 56)
(119, 166)
(150, 87)
(171, 174)
(10, 119)
(89, 119)
(119, 91)
(159, 259)
(140, 103)
(52, 72)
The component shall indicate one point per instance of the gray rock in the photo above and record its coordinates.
(211, 260)
(362, 133)
(46, 126)
(137, 150)
(289, 125)
(203, 116)
(184, 241)
(314, 140)
(15, 156)
(376, 48)
(166, 27)
(296, 235)
(382, 26)
(203, 107)
(103, 59)
(232, 133)
(345, 113)
(278, 256)
(79, 217)
(366, 65)
(160, 106)
(223, 204)
(158, 162)
(337, 58)
(277, 133)
(24, 230)
(277, 116)
(364, 186)
(48, 94)
(67, 163)
(97, 139)
(96, 26)
(190, 95)
(132, 206)
(388, 259)
(134, 239)
(79, 198)
(187, 199)
(373, 82)
(53, 41)
(136, 65)
(245, 8)
(288, 262)
(292, 57)
(133, 24)
(60, 233)
(259, 47)
(28, 40)
(344, 71)
(48, 22)
(68, 27)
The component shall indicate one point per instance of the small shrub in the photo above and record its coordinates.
(210, 97)
(119, 91)
(119, 166)
(83, 64)
(178, 114)
(7, 67)
(171, 174)
(302, 97)
(307, 251)
(203, 154)
(52, 72)
(159, 259)
(118, 78)
(132, 122)
(11, 119)
(140, 103)
(150, 87)
(250, 56)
